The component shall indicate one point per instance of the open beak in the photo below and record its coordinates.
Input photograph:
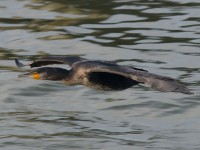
(25, 75)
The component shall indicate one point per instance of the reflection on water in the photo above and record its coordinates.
(160, 36)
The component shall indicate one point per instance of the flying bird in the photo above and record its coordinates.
(99, 74)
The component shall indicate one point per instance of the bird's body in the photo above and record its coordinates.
(98, 74)
(91, 74)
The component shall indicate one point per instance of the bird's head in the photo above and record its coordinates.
(46, 73)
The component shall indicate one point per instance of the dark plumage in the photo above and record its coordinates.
(103, 75)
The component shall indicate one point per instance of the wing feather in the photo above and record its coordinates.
(69, 60)
(48, 60)
(157, 82)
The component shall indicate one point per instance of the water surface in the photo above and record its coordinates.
(160, 36)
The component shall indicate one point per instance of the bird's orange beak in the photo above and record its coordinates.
(33, 75)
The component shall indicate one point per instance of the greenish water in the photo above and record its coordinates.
(160, 36)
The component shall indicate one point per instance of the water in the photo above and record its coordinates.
(160, 36)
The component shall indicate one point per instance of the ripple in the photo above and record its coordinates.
(159, 36)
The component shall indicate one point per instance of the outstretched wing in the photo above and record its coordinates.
(158, 82)
(48, 60)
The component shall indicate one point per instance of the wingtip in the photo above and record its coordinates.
(188, 92)
(18, 64)
(183, 89)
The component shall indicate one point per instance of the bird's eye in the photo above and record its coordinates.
(36, 76)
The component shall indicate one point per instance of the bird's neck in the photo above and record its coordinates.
(57, 74)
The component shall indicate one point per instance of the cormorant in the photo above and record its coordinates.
(99, 74)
